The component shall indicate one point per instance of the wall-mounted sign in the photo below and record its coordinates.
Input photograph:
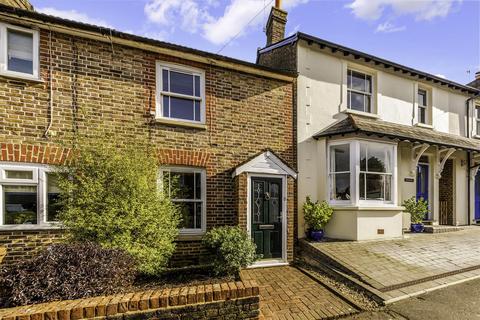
(409, 180)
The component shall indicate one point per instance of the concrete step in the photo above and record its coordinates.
(442, 229)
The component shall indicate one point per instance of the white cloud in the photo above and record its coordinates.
(74, 15)
(421, 9)
(187, 13)
(236, 17)
(388, 27)
(441, 76)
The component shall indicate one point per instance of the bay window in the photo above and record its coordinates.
(361, 172)
(186, 187)
(28, 196)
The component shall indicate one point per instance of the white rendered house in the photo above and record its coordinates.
(372, 133)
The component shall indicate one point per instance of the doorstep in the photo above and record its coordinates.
(265, 263)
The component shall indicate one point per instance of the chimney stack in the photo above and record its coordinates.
(276, 24)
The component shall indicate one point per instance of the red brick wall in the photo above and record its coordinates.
(97, 91)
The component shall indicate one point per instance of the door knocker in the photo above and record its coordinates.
(267, 196)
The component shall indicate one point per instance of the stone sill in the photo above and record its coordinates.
(20, 77)
(423, 125)
(371, 208)
(179, 123)
(143, 301)
(21, 227)
(361, 113)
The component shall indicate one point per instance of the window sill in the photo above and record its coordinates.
(31, 227)
(361, 113)
(476, 136)
(386, 207)
(16, 76)
(423, 125)
(190, 237)
(181, 123)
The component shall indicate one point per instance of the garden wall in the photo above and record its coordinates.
(232, 300)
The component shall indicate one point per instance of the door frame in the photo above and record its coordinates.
(284, 214)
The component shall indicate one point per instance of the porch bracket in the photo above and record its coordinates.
(474, 169)
(441, 161)
(416, 157)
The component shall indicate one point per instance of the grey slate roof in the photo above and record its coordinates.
(358, 124)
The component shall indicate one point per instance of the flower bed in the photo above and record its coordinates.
(235, 300)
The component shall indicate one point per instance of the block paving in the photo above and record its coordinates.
(287, 293)
(417, 262)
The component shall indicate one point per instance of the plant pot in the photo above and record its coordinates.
(316, 235)
(416, 227)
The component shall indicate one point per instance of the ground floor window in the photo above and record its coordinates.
(28, 195)
(361, 171)
(186, 187)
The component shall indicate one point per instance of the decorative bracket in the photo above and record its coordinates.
(416, 157)
(441, 161)
(474, 169)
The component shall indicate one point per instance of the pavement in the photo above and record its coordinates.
(458, 302)
(287, 293)
(416, 264)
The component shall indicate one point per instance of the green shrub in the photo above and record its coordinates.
(417, 209)
(232, 247)
(66, 271)
(110, 197)
(317, 214)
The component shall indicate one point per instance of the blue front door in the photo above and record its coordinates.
(422, 183)
(477, 196)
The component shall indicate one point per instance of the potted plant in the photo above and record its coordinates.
(317, 214)
(418, 210)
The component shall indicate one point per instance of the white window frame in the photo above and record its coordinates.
(477, 119)
(203, 185)
(421, 106)
(371, 94)
(4, 52)
(160, 66)
(355, 174)
(39, 179)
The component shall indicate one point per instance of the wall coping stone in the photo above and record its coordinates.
(113, 305)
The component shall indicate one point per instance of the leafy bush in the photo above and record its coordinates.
(317, 214)
(232, 247)
(110, 196)
(417, 209)
(66, 271)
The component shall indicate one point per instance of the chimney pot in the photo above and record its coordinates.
(278, 4)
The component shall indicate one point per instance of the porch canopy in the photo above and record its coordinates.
(369, 126)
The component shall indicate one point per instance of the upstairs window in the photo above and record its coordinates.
(181, 93)
(20, 56)
(477, 119)
(422, 106)
(359, 93)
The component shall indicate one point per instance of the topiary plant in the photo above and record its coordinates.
(317, 214)
(418, 209)
(110, 196)
(66, 271)
(232, 248)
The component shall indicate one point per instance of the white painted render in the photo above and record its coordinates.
(321, 101)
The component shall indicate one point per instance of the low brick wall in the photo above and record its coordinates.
(232, 300)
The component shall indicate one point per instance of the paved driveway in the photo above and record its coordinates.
(287, 293)
(419, 262)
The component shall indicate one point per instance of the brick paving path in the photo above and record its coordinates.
(287, 293)
(393, 263)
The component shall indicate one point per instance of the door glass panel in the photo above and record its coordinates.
(20, 204)
(258, 205)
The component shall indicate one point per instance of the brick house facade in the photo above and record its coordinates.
(93, 81)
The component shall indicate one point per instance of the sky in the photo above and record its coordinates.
(441, 37)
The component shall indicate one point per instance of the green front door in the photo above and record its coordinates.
(266, 211)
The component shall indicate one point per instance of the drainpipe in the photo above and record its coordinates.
(469, 158)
